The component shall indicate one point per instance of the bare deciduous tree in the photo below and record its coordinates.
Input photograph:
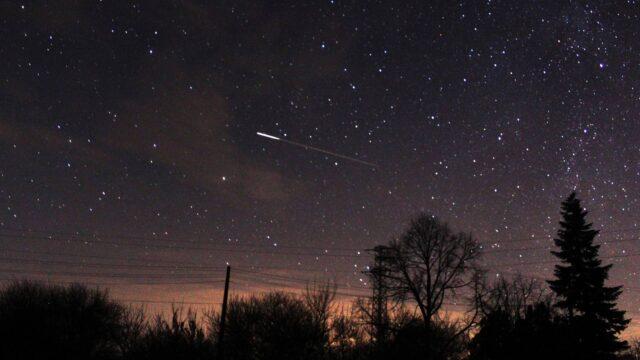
(347, 333)
(512, 296)
(319, 298)
(429, 264)
(634, 350)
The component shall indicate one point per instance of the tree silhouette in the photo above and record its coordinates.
(591, 315)
(409, 338)
(429, 264)
(633, 353)
(318, 299)
(46, 322)
(512, 296)
(181, 337)
(273, 326)
(517, 322)
(348, 337)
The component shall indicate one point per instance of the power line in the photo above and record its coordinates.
(166, 302)
(145, 246)
(136, 266)
(201, 277)
(160, 276)
(126, 299)
(555, 261)
(547, 247)
(128, 283)
(203, 268)
(215, 247)
(284, 285)
(174, 240)
(550, 237)
(178, 264)
(287, 279)
(211, 268)
(258, 281)
(333, 248)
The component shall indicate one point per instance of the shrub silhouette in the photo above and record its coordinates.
(411, 339)
(274, 326)
(537, 333)
(45, 322)
(181, 337)
(518, 321)
(633, 353)
(347, 337)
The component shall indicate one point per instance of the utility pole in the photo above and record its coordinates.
(223, 313)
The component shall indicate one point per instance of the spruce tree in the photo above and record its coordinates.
(589, 307)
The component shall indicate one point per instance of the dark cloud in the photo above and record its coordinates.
(186, 128)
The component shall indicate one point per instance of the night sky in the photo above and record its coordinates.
(129, 156)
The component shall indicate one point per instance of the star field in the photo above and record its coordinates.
(129, 155)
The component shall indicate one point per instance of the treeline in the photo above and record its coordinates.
(75, 322)
(430, 299)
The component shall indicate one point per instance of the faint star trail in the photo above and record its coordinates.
(313, 148)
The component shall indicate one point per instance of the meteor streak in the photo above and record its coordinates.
(268, 136)
(313, 148)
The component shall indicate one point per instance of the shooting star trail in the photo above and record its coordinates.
(313, 148)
